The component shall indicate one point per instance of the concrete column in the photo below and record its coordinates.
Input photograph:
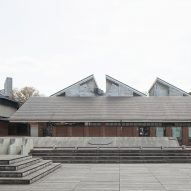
(168, 132)
(185, 135)
(34, 132)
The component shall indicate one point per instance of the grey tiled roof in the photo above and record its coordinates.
(86, 109)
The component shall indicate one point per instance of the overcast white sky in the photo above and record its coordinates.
(51, 44)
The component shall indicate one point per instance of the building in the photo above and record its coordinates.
(8, 107)
(163, 88)
(121, 111)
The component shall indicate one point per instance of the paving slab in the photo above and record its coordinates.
(113, 177)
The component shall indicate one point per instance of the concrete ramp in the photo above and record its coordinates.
(105, 142)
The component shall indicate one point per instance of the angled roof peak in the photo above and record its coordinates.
(163, 82)
(73, 86)
(122, 89)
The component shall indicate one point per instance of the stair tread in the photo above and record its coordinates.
(21, 162)
(42, 162)
(102, 156)
(33, 175)
(35, 165)
(115, 156)
(13, 159)
(41, 171)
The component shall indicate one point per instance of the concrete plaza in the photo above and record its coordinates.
(112, 177)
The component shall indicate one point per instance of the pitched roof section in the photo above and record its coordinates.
(117, 88)
(168, 85)
(83, 81)
(9, 101)
(105, 109)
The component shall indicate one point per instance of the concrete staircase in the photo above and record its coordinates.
(18, 169)
(109, 155)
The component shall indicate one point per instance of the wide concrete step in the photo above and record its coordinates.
(113, 157)
(19, 165)
(123, 161)
(112, 150)
(122, 152)
(107, 155)
(32, 177)
(110, 154)
(26, 171)
(119, 159)
(12, 159)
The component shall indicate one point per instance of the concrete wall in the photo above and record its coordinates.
(84, 89)
(112, 142)
(113, 89)
(34, 128)
(174, 92)
(6, 111)
(160, 89)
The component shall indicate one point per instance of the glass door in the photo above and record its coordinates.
(144, 131)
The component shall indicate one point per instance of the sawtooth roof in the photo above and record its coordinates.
(168, 85)
(127, 86)
(106, 109)
(91, 77)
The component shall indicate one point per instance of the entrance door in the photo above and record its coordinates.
(144, 131)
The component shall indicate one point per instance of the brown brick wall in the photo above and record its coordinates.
(185, 136)
(168, 132)
(61, 131)
(152, 132)
(110, 131)
(95, 131)
(128, 131)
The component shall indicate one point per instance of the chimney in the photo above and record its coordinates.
(8, 87)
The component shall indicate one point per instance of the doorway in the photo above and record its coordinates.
(144, 131)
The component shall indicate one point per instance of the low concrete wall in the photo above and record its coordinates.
(15, 145)
(23, 145)
(105, 141)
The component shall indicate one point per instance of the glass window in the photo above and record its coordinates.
(159, 132)
(189, 132)
(176, 132)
